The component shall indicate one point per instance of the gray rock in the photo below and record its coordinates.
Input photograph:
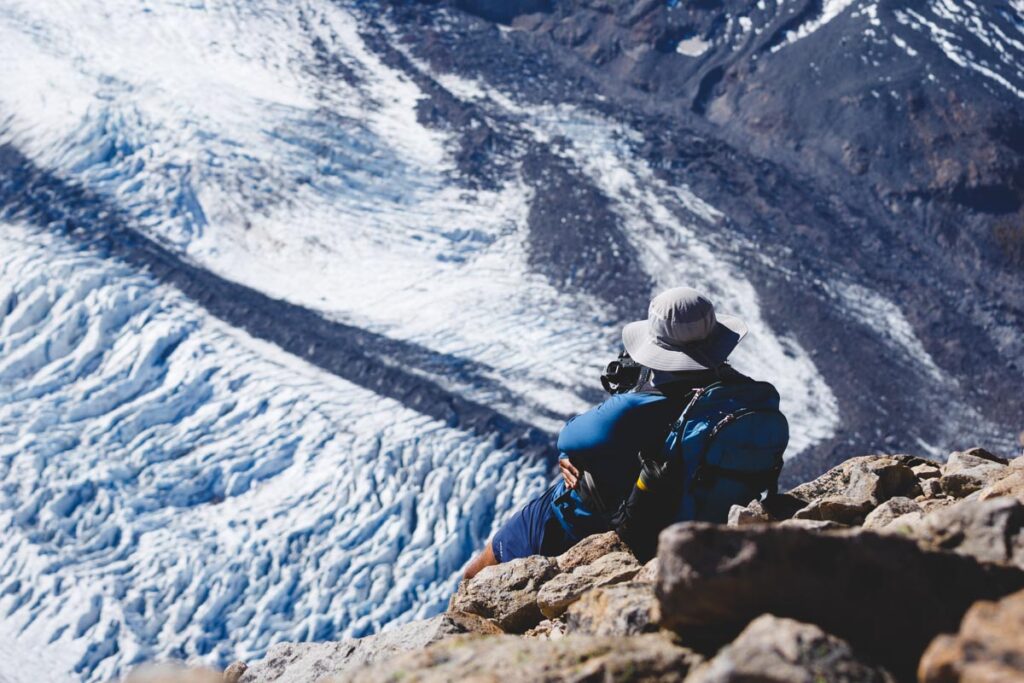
(563, 590)
(990, 530)
(649, 657)
(775, 650)
(507, 592)
(970, 471)
(889, 511)
(623, 609)
(313, 662)
(872, 590)
(591, 548)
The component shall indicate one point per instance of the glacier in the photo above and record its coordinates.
(174, 486)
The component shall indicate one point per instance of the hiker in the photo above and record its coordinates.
(684, 436)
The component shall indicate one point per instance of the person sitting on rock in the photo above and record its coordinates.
(683, 437)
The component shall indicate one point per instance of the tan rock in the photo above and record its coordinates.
(870, 589)
(889, 511)
(623, 609)
(752, 513)
(812, 524)
(868, 477)
(931, 488)
(233, 673)
(548, 629)
(969, 471)
(989, 646)
(1011, 484)
(563, 590)
(320, 662)
(926, 471)
(172, 673)
(775, 650)
(507, 592)
(838, 509)
(989, 530)
(649, 572)
(589, 549)
(649, 657)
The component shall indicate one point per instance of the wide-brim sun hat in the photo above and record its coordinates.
(682, 332)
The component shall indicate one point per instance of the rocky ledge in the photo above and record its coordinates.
(885, 568)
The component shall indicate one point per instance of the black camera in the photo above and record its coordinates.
(622, 374)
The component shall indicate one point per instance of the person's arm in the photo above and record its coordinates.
(602, 429)
(592, 433)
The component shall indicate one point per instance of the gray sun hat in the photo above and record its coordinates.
(682, 333)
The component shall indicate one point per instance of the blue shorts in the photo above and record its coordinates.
(533, 530)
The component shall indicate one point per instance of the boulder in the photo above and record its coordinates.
(989, 530)
(589, 549)
(650, 657)
(507, 592)
(874, 478)
(848, 492)
(889, 511)
(884, 594)
(969, 471)
(564, 589)
(988, 647)
(623, 609)
(313, 662)
(775, 650)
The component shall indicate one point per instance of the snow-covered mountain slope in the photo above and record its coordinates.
(294, 296)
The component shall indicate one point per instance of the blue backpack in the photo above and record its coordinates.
(724, 449)
(728, 442)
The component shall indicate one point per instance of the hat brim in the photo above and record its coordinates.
(701, 355)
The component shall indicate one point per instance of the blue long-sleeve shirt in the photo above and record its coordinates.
(605, 441)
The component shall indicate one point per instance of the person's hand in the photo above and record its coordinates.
(569, 472)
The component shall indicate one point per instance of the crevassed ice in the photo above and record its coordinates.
(280, 173)
(173, 488)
